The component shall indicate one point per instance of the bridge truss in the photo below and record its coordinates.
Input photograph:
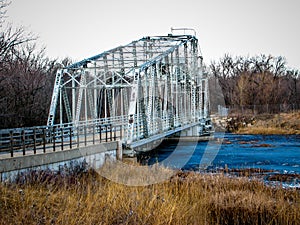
(150, 86)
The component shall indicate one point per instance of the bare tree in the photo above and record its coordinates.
(3, 5)
(260, 80)
(293, 77)
(26, 77)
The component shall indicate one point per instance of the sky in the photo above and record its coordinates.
(80, 29)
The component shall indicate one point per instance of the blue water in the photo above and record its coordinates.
(280, 153)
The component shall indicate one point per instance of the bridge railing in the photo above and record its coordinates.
(42, 139)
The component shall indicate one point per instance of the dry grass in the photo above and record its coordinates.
(266, 130)
(284, 123)
(185, 198)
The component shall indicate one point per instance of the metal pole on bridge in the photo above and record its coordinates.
(62, 138)
(11, 143)
(44, 141)
(53, 138)
(93, 134)
(70, 134)
(106, 136)
(100, 133)
(77, 136)
(34, 141)
(85, 140)
(23, 141)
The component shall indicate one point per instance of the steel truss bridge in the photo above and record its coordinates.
(140, 92)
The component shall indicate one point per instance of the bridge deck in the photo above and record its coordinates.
(161, 136)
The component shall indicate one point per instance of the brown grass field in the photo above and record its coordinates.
(283, 123)
(185, 198)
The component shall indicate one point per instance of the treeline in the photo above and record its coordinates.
(261, 83)
(26, 80)
(26, 77)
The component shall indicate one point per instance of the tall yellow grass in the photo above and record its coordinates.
(185, 198)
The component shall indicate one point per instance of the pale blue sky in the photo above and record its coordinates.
(80, 29)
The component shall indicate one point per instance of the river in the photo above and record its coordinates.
(279, 154)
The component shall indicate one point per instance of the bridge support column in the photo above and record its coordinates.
(191, 132)
(119, 153)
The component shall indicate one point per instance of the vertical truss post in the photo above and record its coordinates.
(194, 84)
(200, 88)
(178, 88)
(85, 98)
(132, 112)
(145, 51)
(138, 113)
(146, 84)
(124, 90)
(149, 99)
(113, 92)
(95, 111)
(73, 83)
(90, 102)
(80, 93)
(108, 92)
(186, 86)
(60, 107)
(169, 98)
(157, 102)
(172, 93)
(134, 55)
(206, 97)
(55, 94)
(66, 104)
(143, 107)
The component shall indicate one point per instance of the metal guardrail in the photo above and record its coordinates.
(59, 137)
(44, 139)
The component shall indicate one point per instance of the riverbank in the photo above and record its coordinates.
(283, 123)
(185, 198)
